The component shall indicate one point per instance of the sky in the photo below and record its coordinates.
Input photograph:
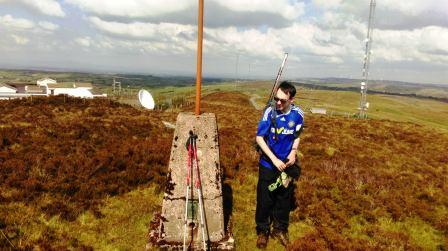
(242, 38)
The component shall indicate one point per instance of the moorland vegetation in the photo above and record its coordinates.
(365, 184)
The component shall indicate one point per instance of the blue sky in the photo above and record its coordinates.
(324, 37)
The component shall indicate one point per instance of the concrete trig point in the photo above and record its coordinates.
(167, 229)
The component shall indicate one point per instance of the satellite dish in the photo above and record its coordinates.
(146, 99)
(367, 105)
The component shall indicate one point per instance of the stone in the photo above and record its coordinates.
(170, 222)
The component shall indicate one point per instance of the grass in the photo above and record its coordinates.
(167, 96)
(420, 233)
(431, 113)
(426, 112)
(123, 226)
(243, 216)
(126, 218)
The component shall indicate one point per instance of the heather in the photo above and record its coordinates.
(73, 166)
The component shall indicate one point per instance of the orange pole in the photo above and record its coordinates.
(199, 58)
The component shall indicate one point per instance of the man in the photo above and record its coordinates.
(278, 138)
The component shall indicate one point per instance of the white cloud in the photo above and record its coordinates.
(84, 41)
(435, 38)
(20, 40)
(131, 8)
(327, 4)
(48, 25)
(13, 24)
(334, 60)
(429, 44)
(16, 23)
(181, 38)
(409, 7)
(282, 7)
(46, 7)
(307, 39)
(139, 30)
(106, 44)
(150, 8)
(176, 38)
(162, 31)
(420, 44)
(248, 42)
(414, 7)
(270, 44)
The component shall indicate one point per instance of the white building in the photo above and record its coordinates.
(71, 89)
(316, 110)
(7, 89)
(87, 86)
(45, 81)
(36, 90)
(46, 87)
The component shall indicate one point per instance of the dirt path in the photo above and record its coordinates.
(254, 103)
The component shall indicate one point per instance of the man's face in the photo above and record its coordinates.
(282, 101)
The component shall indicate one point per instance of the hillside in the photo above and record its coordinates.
(89, 174)
(434, 91)
(100, 80)
(430, 113)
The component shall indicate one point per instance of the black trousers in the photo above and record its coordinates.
(272, 207)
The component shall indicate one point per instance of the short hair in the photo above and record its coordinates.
(288, 88)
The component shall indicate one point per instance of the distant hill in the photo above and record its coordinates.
(101, 79)
(437, 91)
(105, 80)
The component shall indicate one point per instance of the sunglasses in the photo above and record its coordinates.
(281, 100)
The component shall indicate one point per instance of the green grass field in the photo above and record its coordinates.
(431, 113)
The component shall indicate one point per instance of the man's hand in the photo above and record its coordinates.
(279, 164)
(291, 158)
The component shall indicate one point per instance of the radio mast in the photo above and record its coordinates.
(363, 104)
(116, 86)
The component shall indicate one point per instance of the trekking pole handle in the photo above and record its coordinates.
(195, 155)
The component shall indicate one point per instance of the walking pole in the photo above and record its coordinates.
(198, 186)
(277, 81)
(271, 103)
(189, 165)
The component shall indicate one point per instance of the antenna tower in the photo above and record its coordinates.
(363, 104)
(116, 85)
(236, 68)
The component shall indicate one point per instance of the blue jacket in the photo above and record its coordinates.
(289, 126)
